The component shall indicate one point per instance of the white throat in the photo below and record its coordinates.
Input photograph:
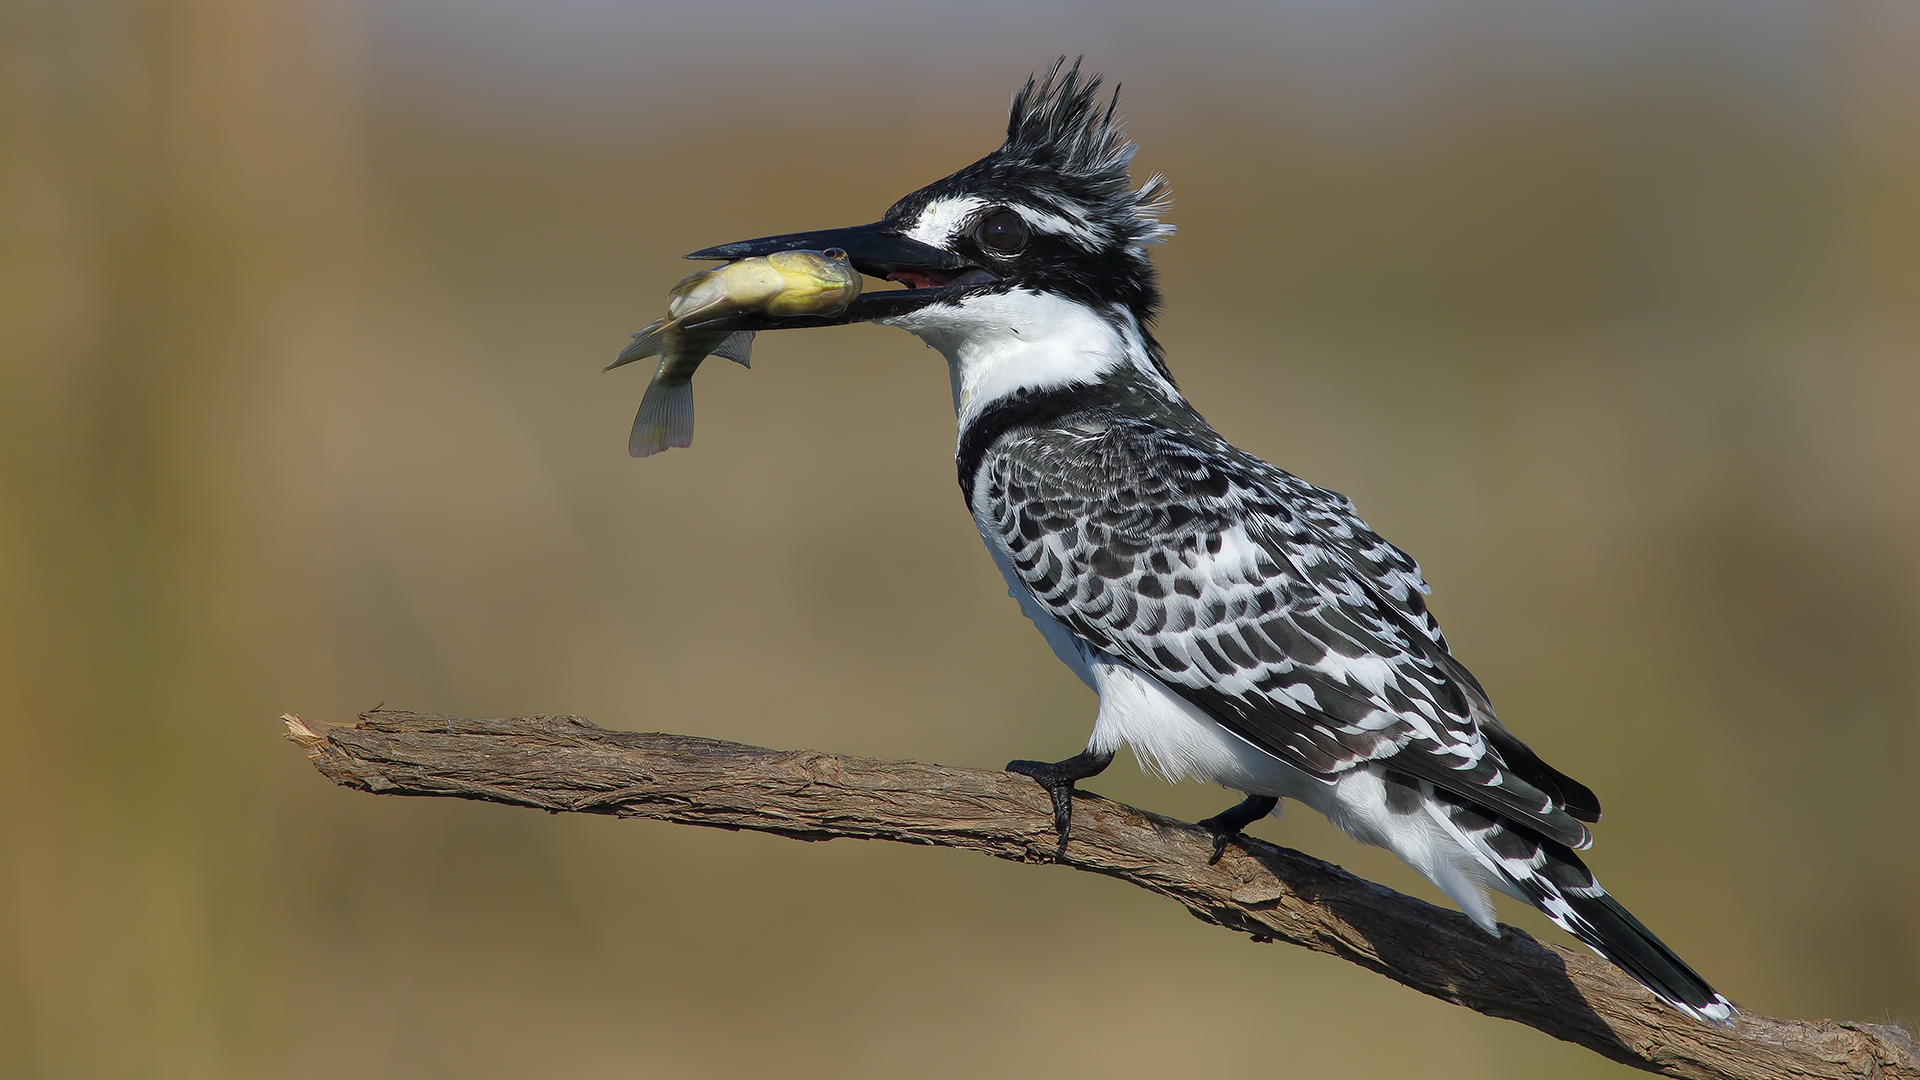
(1001, 343)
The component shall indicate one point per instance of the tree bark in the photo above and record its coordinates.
(564, 763)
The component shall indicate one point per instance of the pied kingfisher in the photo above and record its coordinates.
(1239, 624)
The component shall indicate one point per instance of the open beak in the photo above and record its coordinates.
(930, 274)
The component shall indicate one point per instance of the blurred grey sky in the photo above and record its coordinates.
(1352, 62)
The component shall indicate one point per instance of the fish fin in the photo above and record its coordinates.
(645, 343)
(681, 315)
(665, 420)
(738, 348)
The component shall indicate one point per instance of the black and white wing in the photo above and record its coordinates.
(1260, 599)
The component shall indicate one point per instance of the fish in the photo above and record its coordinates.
(783, 283)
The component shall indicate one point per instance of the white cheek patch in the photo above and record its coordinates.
(942, 219)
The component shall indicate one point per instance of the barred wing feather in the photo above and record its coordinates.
(1260, 599)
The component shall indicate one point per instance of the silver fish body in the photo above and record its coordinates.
(783, 283)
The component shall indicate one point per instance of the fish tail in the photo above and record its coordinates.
(665, 419)
(646, 343)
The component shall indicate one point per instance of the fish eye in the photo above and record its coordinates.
(836, 254)
(1003, 231)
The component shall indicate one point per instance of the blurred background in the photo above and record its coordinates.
(1608, 310)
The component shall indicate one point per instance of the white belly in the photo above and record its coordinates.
(1174, 739)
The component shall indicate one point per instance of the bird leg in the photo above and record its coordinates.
(1227, 824)
(1058, 778)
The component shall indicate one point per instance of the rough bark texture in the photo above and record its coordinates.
(564, 763)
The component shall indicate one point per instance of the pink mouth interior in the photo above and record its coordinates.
(920, 279)
(916, 278)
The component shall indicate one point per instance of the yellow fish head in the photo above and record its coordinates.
(816, 282)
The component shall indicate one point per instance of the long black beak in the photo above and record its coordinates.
(875, 250)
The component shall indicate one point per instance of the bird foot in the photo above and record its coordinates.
(1058, 778)
(1227, 824)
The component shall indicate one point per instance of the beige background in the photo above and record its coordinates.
(1606, 311)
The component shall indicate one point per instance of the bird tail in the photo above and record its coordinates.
(665, 419)
(1609, 929)
(1551, 877)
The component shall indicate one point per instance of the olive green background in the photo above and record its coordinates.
(1608, 312)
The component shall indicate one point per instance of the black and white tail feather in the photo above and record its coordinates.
(1552, 878)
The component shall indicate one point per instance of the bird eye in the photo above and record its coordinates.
(1003, 231)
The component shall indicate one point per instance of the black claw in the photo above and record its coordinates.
(1227, 824)
(1058, 778)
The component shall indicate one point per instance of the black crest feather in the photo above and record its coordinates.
(1058, 123)
(1067, 154)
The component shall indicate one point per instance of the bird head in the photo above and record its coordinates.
(1052, 217)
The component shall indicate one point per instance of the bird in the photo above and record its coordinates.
(1238, 624)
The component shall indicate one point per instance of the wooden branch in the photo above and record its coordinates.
(563, 763)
